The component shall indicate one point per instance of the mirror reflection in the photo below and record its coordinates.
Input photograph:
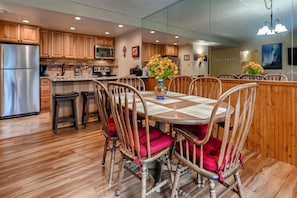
(225, 31)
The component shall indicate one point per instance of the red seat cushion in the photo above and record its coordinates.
(112, 128)
(211, 151)
(158, 141)
(199, 130)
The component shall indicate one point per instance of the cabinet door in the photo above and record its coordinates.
(29, 34)
(80, 46)
(104, 41)
(57, 44)
(89, 47)
(45, 44)
(9, 32)
(69, 45)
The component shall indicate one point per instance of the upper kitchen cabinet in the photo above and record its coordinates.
(63, 45)
(150, 49)
(85, 47)
(18, 33)
(45, 43)
(169, 50)
(104, 41)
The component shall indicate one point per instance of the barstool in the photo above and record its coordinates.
(87, 96)
(65, 97)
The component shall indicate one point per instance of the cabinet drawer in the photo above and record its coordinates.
(44, 102)
(44, 91)
(44, 82)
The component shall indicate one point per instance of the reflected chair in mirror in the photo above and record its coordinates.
(138, 145)
(218, 158)
(134, 81)
(252, 77)
(228, 76)
(180, 84)
(108, 127)
(276, 77)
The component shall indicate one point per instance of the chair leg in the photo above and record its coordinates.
(120, 178)
(175, 183)
(104, 152)
(237, 180)
(212, 189)
(113, 151)
(143, 180)
(169, 166)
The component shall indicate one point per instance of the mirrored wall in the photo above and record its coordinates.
(226, 32)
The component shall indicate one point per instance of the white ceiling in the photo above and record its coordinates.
(223, 21)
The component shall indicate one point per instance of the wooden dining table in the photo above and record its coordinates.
(182, 109)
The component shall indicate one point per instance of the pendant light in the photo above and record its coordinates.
(272, 27)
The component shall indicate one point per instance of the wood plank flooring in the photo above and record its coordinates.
(34, 162)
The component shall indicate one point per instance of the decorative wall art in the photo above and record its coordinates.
(186, 57)
(135, 51)
(272, 56)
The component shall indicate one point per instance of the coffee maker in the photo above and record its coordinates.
(43, 70)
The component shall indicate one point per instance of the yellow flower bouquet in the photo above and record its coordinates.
(253, 68)
(162, 68)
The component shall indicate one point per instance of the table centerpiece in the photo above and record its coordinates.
(161, 68)
(253, 68)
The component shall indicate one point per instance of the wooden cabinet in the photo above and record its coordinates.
(68, 45)
(57, 44)
(45, 43)
(104, 41)
(150, 49)
(85, 47)
(44, 94)
(30, 34)
(169, 50)
(18, 33)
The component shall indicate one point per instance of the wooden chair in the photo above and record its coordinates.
(108, 128)
(219, 158)
(228, 76)
(252, 77)
(140, 145)
(134, 81)
(276, 77)
(209, 87)
(180, 84)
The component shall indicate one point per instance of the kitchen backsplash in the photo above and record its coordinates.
(76, 67)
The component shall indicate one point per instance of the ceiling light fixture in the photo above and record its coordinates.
(274, 27)
(106, 33)
(72, 28)
(152, 32)
(77, 18)
(26, 21)
(120, 26)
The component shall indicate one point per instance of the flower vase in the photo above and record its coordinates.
(160, 90)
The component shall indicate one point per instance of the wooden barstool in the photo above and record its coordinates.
(65, 97)
(87, 96)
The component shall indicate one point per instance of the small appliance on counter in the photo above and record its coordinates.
(43, 70)
(101, 71)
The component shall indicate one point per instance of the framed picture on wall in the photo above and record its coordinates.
(272, 56)
(135, 51)
(187, 57)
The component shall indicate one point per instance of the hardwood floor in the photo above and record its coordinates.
(34, 162)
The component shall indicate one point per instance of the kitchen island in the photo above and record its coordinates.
(78, 84)
(75, 84)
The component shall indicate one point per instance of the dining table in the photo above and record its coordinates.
(180, 109)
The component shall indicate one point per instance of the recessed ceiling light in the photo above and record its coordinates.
(152, 32)
(176, 37)
(174, 43)
(107, 33)
(72, 28)
(26, 21)
(157, 41)
(77, 18)
(120, 26)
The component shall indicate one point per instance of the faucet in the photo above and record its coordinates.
(63, 69)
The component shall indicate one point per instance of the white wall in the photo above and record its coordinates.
(186, 66)
(203, 68)
(125, 63)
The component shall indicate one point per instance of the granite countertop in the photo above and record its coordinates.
(80, 78)
(83, 78)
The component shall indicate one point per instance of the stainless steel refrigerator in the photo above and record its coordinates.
(19, 80)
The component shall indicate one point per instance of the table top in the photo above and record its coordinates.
(179, 108)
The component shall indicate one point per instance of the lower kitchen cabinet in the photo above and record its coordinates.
(45, 95)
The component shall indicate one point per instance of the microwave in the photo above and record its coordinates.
(103, 52)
